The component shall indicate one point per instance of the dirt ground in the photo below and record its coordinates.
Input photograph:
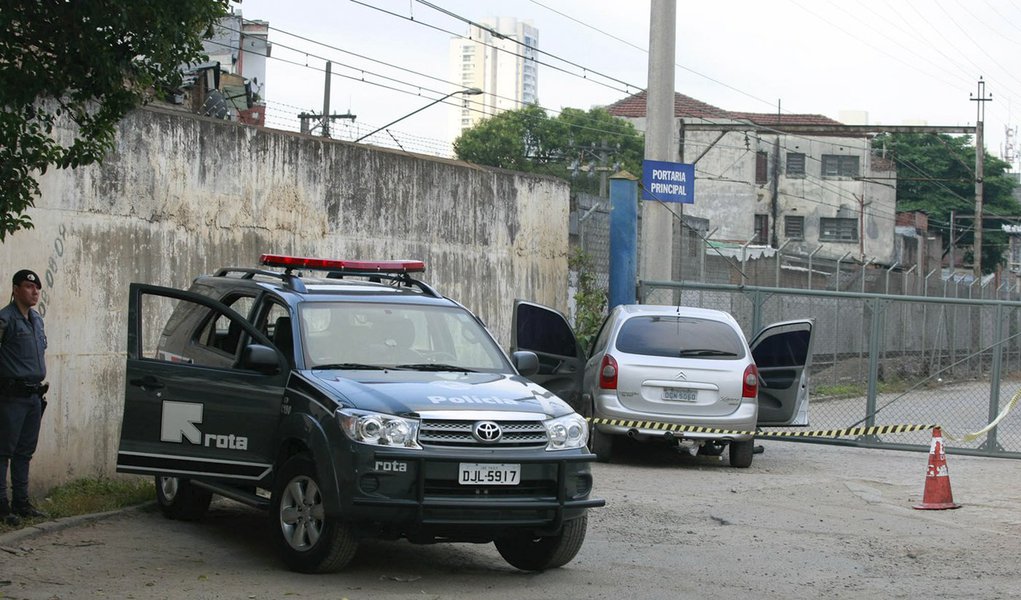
(805, 521)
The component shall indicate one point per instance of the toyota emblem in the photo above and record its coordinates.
(487, 432)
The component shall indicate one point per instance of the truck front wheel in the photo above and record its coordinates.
(309, 540)
(540, 553)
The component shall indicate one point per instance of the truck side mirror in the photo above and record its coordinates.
(526, 362)
(258, 357)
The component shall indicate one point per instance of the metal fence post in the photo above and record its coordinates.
(864, 266)
(904, 280)
(778, 251)
(925, 313)
(810, 255)
(892, 267)
(744, 261)
(705, 247)
(836, 287)
(757, 299)
(873, 377)
(990, 445)
(925, 292)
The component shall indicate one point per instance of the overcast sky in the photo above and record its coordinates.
(901, 61)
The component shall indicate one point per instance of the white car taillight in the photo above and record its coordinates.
(750, 383)
(608, 373)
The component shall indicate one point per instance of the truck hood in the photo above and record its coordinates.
(410, 393)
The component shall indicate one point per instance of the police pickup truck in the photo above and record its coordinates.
(355, 403)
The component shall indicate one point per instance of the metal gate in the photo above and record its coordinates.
(881, 360)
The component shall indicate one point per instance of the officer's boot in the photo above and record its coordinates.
(6, 516)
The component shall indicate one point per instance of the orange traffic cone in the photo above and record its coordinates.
(937, 495)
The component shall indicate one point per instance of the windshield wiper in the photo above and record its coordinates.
(705, 352)
(434, 367)
(350, 366)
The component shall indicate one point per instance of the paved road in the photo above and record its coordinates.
(805, 521)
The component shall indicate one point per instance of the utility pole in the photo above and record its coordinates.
(324, 120)
(657, 220)
(603, 187)
(979, 172)
(326, 99)
(952, 242)
(307, 119)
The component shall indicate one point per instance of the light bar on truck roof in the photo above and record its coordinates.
(349, 266)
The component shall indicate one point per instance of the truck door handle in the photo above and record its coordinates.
(147, 383)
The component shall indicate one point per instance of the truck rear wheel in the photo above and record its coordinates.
(540, 553)
(309, 540)
(179, 499)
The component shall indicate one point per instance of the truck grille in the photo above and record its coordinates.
(458, 434)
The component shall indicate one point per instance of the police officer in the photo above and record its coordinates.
(22, 371)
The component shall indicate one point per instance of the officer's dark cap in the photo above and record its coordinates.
(26, 275)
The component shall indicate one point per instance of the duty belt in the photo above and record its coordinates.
(21, 388)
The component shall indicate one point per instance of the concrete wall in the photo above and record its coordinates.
(181, 196)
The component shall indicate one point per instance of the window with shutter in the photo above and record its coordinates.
(838, 229)
(761, 167)
(794, 228)
(795, 164)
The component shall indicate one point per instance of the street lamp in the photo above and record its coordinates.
(466, 92)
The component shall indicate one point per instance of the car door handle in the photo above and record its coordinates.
(147, 383)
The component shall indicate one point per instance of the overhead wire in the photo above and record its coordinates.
(980, 47)
(626, 90)
(646, 51)
(821, 183)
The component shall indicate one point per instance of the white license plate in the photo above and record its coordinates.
(678, 395)
(488, 474)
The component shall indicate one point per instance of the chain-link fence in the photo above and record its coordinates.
(697, 256)
(881, 359)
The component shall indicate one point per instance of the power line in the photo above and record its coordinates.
(627, 89)
(821, 183)
(646, 51)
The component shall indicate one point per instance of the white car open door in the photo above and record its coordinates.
(783, 355)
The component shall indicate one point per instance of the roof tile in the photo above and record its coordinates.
(688, 107)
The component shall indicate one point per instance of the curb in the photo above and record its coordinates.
(31, 531)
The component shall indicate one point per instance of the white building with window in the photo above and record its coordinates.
(806, 181)
(499, 58)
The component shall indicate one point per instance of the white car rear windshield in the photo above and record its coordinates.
(676, 336)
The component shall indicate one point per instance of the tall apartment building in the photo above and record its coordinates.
(502, 66)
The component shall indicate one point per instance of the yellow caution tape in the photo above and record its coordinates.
(870, 431)
(823, 433)
(1003, 413)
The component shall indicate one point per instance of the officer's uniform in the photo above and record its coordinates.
(22, 371)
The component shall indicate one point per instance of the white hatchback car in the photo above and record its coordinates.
(676, 365)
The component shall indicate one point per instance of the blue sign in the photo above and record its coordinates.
(668, 181)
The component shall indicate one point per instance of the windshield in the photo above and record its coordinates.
(353, 335)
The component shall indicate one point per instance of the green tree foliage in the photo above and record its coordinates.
(88, 61)
(529, 140)
(936, 174)
(589, 299)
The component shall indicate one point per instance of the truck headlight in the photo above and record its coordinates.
(379, 429)
(569, 431)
